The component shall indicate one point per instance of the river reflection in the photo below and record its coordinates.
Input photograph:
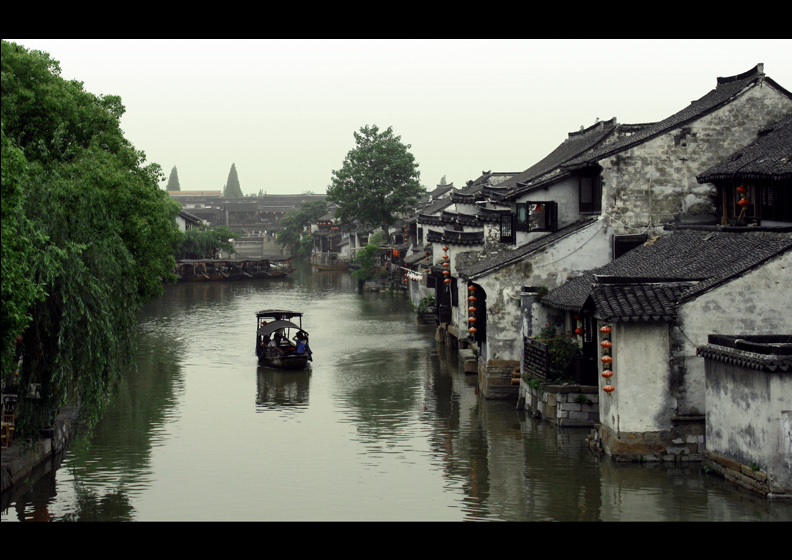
(381, 426)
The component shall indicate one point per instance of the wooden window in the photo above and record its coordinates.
(590, 191)
(776, 203)
(507, 229)
(537, 216)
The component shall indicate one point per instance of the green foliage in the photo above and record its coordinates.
(378, 180)
(232, 187)
(173, 181)
(88, 236)
(535, 383)
(561, 351)
(368, 258)
(425, 305)
(206, 243)
(19, 241)
(294, 232)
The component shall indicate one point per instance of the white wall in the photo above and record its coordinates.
(641, 401)
(550, 267)
(747, 419)
(650, 183)
(757, 303)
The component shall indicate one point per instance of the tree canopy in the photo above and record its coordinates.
(379, 179)
(87, 238)
(232, 187)
(206, 243)
(293, 226)
(173, 181)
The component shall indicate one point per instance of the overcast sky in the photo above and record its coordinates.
(284, 111)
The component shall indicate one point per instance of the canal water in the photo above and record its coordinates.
(382, 427)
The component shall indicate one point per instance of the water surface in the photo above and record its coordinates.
(381, 427)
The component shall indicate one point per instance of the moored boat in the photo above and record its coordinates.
(280, 342)
(191, 271)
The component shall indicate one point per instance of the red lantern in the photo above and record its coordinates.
(606, 329)
(445, 248)
(472, 298)
(445, 264)
(742, 189)
(606, 360)
(606, 344)
(445, 256)
(579, 331)
(472, 289)
(744, 202)
(472, 330)
(607, 373)
(446, 273)
(608, 388)
(447, 280)
(472, 309)
(427, 253)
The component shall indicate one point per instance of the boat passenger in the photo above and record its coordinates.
(262, 345)
(275, 343)
(302, 343)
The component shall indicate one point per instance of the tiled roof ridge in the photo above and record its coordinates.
(725, 91)
(768, 352)
(681, 253)
(575, 145)
(767, 157)
(503, 258)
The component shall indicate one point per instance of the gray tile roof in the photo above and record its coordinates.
(650, 282)
(429, 213)
(619, 301)
(768, 157)
(763, 352)
(549, 168)
(500, 259)
(725, 91)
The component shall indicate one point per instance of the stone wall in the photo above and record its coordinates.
(495, 379)
(23, 462)
(649, 184)
(683, 442)
(749, 409)
(566, 406)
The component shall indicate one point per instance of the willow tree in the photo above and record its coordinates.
(91, 239)
(378, 180)
(206, 243)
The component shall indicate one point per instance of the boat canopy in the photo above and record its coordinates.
(279, 314)
(273, 326)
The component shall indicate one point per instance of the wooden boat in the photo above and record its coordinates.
(280, 267)
(260, 268)
(217, 270)
(238, 269)
(280, 342)
(191, 271)
(206, 270)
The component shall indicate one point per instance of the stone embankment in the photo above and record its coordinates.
(22, 460)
